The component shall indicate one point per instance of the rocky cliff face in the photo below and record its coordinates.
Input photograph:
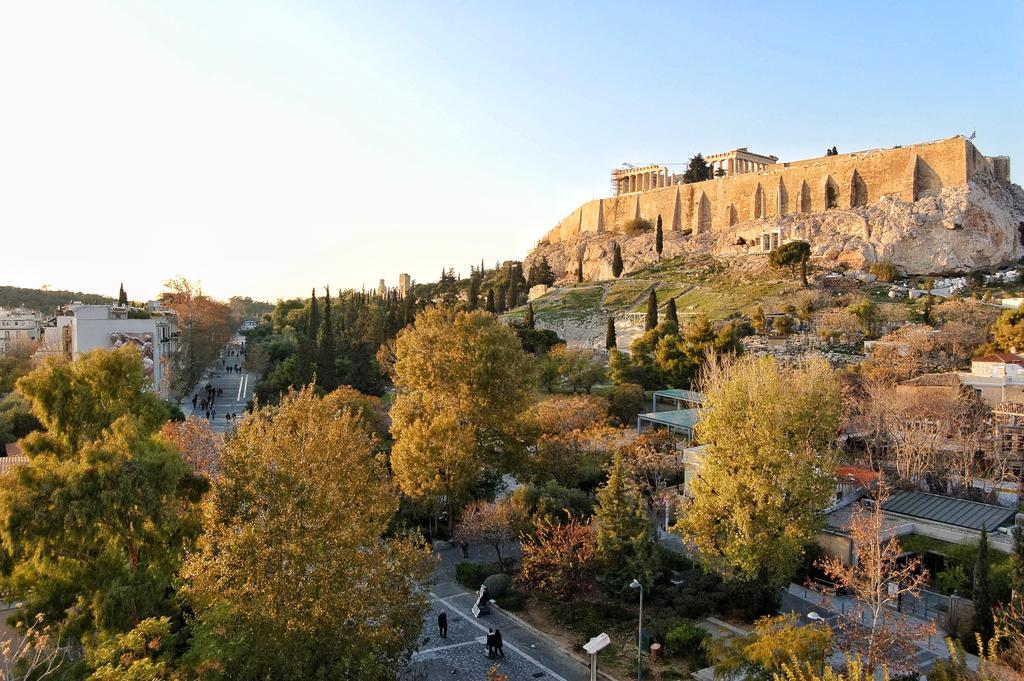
(958, 229)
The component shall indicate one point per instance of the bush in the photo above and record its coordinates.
(685, 639)
(470, 575)
(512, 600)
(884, 270)
(497, 584)
(637, 226)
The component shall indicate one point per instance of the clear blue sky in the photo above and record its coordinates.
(264, 148)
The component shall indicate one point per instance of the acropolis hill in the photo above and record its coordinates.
(928, 208)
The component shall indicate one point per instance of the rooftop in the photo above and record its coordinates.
(678, 418)
(1000, 357)
(949, 510)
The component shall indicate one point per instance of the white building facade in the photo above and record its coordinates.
(19, 325)
(81, 328)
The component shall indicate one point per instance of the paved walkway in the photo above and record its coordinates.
(462, 655)
(236, 389)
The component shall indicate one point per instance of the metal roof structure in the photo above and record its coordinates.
(689, 397)
(959, 512)
(680, 421)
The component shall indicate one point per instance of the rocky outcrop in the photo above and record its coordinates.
(960, 228)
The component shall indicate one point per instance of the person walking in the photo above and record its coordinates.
(195, 399)
(464, 545)
(492, 647)
(498, 643)
(442, 624)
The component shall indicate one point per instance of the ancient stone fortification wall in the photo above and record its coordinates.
(843, 181)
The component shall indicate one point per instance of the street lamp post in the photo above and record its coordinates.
(635, 584)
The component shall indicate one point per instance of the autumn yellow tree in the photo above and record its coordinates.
(462, 414)
(298, 575)
(768, 467)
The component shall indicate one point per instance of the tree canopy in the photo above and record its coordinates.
(297, 575)
(96, 524)
(768, 466)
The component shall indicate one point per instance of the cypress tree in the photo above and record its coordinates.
(545, 275)
(122, 297)
(579, 272)
(490, 301)
(670, 312)
(326, 367)
(530, 322)
(652, 311)
(659, 238)
(616, 261)
(982, 594)
(609, 335)
(306, 356)
(474, 291)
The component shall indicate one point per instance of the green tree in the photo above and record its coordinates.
(982, 595)
(298, 573)
(793, 255)
(327, 355)
(94, 527)
(489, 307)
(616, 261)
(758, 319)
(545, 275)
(530, 322)
(625, 541)
(122, 297)
(146, 653)
(867, 315)
(306, 354)
(609, 334)
(697, 170)
(671, 314)
(464, 388)
(659, 237)
(579, 272)
(473, 297)
(651, 321)
(1008, 330)
(768, 466)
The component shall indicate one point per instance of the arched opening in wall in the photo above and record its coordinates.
(858, 191)
(758, 202)
(703, 214)
(733, 218)
(783, 199)
(831, 193)
(805, 198)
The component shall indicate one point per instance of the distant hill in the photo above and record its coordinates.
(46, 301)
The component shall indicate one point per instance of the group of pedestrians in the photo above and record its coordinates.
(495, 645)
(206, 403)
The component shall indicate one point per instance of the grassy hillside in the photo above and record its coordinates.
(715, 288)
(45, 301)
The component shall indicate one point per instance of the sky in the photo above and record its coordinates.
(264, 148)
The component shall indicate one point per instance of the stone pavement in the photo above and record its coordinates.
(236, 389)
(462, 655)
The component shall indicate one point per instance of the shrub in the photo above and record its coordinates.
(687, 232)
(498, 584)
(637, 226)
(512, 600)
(884, 270)
(740, 241)
(470, 575)
(685, 639)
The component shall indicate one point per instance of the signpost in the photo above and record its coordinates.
(593, 647)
